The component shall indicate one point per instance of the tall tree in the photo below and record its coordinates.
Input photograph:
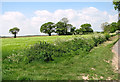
(113, 27)
(63, 28)
(104, 26)
(117, 7)
(65, 21)
(86, 28)
(73, 30)
(109, 27)
(69, 27)
(48, 28)
(14, 31)
(60, 28)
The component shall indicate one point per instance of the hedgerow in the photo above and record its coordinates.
(43, 51)
(48, 52)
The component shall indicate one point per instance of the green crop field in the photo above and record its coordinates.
(88, 65)
(13, 45)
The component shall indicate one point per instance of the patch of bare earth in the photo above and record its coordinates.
(85, 77)
(115, 57)
(115, 61)
(110, 40)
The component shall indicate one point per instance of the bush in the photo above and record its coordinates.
(48, 52)
(107, 36)
(43, 51)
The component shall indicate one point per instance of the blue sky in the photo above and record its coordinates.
(29, 16)
(29, 7)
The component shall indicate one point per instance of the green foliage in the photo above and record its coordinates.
(64, 20)
(48, 52)
(73, 30)
(78, 31)
(118, 25)
(62, 68)
(63, 28)
(116, 4)
(86, 28)
(113, 27)
(107, 36)
(47, 28)
(110, 28)
(14, 31)
(60, 28)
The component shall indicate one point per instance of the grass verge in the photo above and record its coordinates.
(95, 65)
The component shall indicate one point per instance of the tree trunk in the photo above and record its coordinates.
(14, 35)
(49, 34)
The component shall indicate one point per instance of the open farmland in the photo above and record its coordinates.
(90, 64)
(13, 45)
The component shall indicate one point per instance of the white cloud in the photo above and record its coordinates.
(76, 17)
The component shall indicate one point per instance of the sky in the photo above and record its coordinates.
(29, 16)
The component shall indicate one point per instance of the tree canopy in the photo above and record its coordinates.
(86, 28)
(48, 28)
(14, 31)
(63, 28)
(112, 27)
(60, 28)
(116, 4)
(78, 31)
(64, 20)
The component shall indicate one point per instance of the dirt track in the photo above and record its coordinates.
(116, 58)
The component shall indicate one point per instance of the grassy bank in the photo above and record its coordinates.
(93, 65)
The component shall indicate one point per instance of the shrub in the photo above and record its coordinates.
(48, 52)
(107, 36)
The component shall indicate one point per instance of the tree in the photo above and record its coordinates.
(86, 28)
(113, 27)
(48, 28)
(60, 28)
(117, 7)
(116, 4)
(110, 28)
(63, 28)
(14, 31)
(73, 30)
(65, 21)
(78, 31)
(103, 25)
(106, 27)
(118, 25)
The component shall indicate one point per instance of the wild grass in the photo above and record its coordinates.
(95, 65)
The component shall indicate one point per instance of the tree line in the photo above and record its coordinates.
(110, 27)
(61, 28)
(64, 28)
